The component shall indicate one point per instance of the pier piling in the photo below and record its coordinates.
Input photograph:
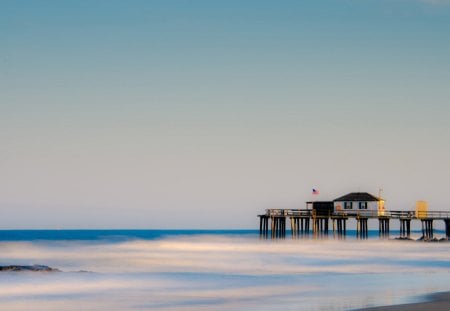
(278, 227)
(339, 227)
(263, 226)
(299, 226)
(427, 229)
(447, 228)
(320, 226)
(405, 228)
(362, 231)
(383, 227)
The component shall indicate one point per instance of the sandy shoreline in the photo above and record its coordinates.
(435, 302)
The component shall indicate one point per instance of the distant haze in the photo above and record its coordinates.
(201, 114)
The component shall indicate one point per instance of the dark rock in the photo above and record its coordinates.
(431, 239)
(34, 268)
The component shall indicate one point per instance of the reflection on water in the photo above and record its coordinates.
(221, 272)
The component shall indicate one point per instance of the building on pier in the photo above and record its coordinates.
(351, 204)
(357, 202)
(321, 208)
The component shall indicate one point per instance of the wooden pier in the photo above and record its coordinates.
(304, 222)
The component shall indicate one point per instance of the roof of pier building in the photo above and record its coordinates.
(358, 196)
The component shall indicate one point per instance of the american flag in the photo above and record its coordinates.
(315, 191)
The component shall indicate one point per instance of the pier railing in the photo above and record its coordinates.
(433, 215)
(274, 212)
(278, 212)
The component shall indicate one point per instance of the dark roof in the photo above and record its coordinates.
(320, 202)
(358, 196)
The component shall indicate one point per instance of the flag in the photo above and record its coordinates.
(315, 191)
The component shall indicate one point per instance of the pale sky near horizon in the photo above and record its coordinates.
(201, 114)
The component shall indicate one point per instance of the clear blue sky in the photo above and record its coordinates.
(201, 114)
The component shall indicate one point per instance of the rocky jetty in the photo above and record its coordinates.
(34, 268)
(432, 239)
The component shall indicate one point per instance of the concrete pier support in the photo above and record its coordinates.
(405, 228)
(427, 229)
(383, 227)
(362, 231)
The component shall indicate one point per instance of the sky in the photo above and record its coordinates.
(202, 114)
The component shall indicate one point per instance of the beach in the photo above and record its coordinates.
(435, 302)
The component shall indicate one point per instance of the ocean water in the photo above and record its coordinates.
(215, 270)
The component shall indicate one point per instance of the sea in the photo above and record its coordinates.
(216, 270)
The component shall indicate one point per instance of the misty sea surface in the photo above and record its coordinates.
(216, 270)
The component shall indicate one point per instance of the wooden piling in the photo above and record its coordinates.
(362, 231)
(263, 226)
(447, 228)
(427, 229)
(405, 228)
(339, 229)
(383, 227)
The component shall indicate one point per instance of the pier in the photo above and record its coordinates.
(311, 222)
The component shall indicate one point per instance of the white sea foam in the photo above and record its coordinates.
(221, 273)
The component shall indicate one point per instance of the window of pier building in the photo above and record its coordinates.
(362, 205)
(348, 205)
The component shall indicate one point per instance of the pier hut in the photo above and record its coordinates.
(321, 208)
(321, 212)
(358, 202)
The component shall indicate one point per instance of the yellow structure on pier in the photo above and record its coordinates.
(421, 209)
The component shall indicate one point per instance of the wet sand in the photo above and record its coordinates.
(436, 302)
